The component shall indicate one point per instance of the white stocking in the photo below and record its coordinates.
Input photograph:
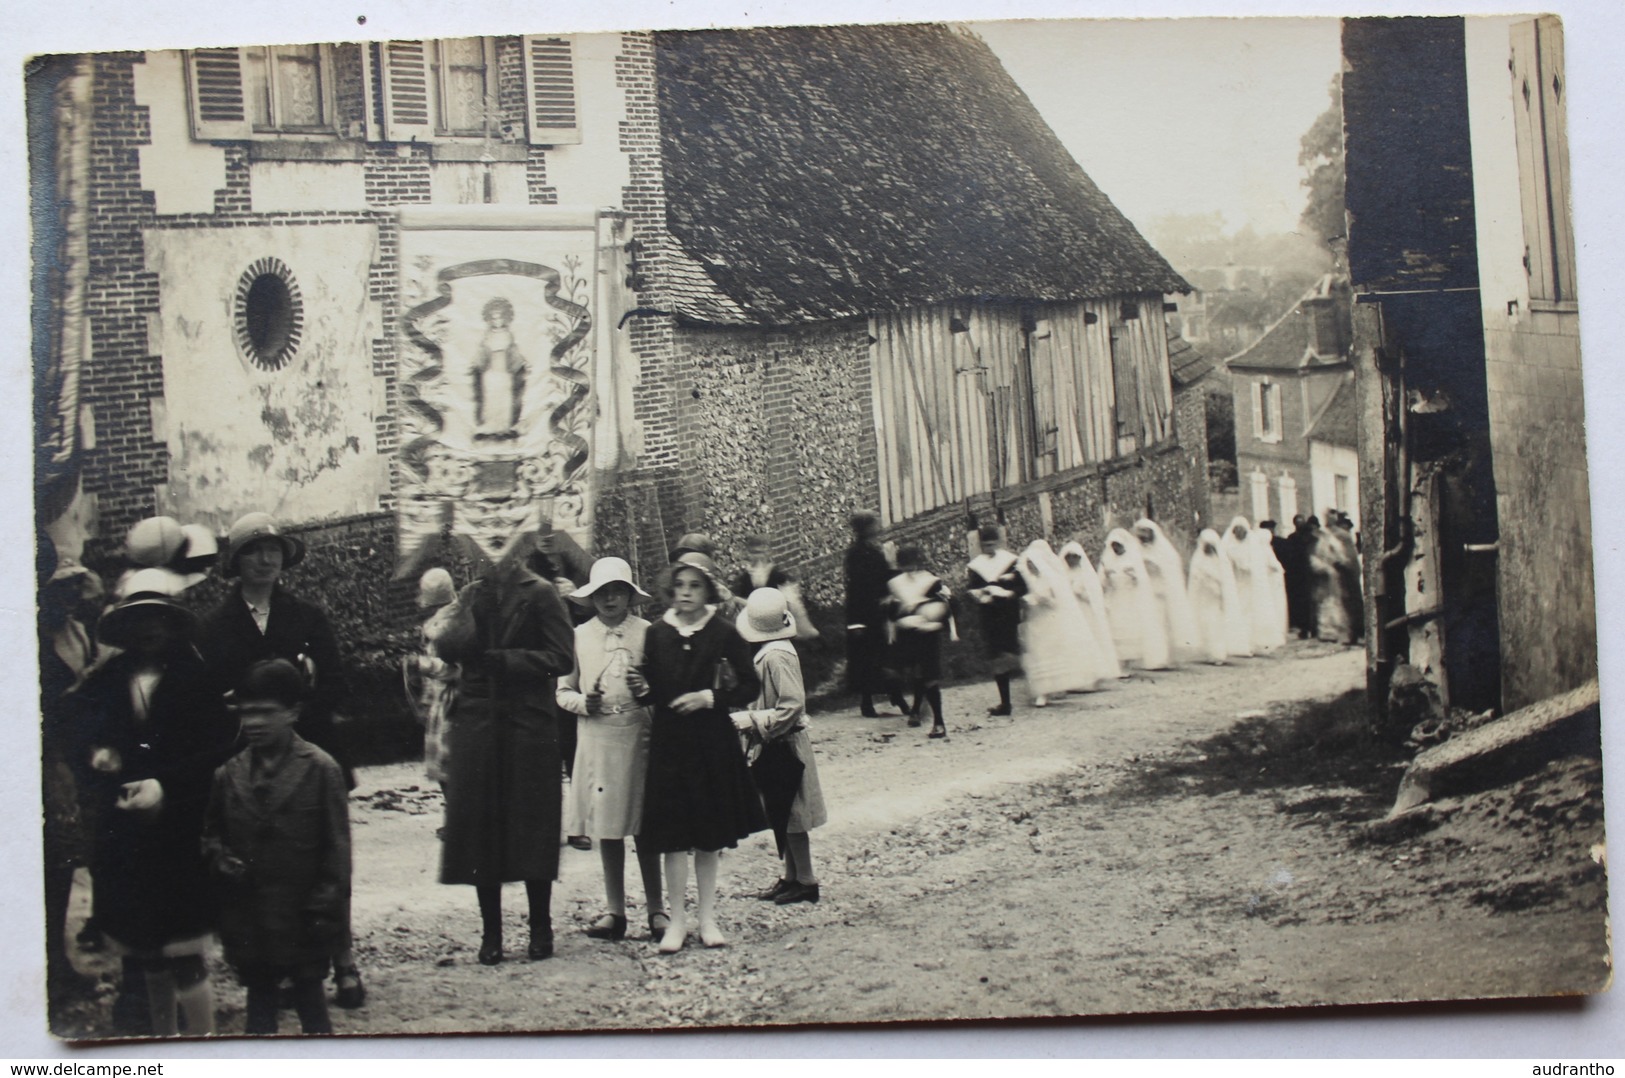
(676, 895)
(705, 887)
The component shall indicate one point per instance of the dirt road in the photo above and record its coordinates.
(1151, 847)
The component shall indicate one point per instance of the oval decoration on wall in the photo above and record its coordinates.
(269, 314)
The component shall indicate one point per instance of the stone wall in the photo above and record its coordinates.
(1537, 429)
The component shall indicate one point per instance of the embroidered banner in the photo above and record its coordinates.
(497, 348)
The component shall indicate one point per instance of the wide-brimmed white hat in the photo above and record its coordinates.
(145, 590)
(766, 617)
(608, 571)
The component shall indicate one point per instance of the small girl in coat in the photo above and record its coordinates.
(699, 796)
(437, 598)
(779, 718)
(605, 801)
(277, 834)
(920, 613)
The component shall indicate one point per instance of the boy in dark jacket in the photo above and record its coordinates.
(277, 835)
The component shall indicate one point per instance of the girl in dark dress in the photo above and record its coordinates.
(920, 616)
(997, 587)
(699, 796)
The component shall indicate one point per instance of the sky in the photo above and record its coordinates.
(1182, 117)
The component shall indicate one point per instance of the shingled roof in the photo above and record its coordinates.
(827, 172)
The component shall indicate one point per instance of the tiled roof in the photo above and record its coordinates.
(824, 172)
(1287, 345)
(1185, 364)
(1338, 422)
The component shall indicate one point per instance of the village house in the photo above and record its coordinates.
(621, 286)
(1467, 356)
(1295, 414)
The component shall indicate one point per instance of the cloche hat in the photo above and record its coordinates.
(435, 588)
(608, 571)
(253, 526)
(766, 617)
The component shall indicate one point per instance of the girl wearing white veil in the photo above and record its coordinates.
(1058, 651)
(1138, 633)
(1270, 621)
(1219, 615)
(1166, 570)
(1086, 588)
(1251, 579)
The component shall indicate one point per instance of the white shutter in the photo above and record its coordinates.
(1273, 402)
(406, 90)
(550, 91)
(1258, 410)
(214, 83)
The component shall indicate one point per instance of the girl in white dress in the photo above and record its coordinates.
(605, 801)
(1058, 649)
(1166, 570)
(1220, 618)
(1138, 632)
(1091, 596)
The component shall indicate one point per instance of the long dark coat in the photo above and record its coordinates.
(867, 661)
(503, 790)
(293, 834)
(231, 643)
(699, 794)
(151, 881)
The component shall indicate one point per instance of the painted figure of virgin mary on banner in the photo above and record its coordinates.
(502, 344)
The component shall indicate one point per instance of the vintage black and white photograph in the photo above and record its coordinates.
(810, 525)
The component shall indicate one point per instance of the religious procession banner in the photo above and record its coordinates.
(499, 330)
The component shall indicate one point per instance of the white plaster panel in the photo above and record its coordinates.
(183, 175)
(298, 442)
(293, 186)
(462, 183)
(595, 171)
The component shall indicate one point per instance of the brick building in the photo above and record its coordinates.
(1294, 412)
(620, 285)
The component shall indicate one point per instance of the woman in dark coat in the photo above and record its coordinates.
(867, 575)
(152, 728)
(259, 620)
(503, 793)
(699, 795)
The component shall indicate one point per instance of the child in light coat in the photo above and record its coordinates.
(778, 723)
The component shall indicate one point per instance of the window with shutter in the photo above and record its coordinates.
(215, 85)
(1540, 121)
(550, 91)
(1258, 409)
(261, 92)
(406, 89)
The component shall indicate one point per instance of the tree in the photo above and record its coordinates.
(1320, 155)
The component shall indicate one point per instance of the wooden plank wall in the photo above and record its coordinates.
(961, 414)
